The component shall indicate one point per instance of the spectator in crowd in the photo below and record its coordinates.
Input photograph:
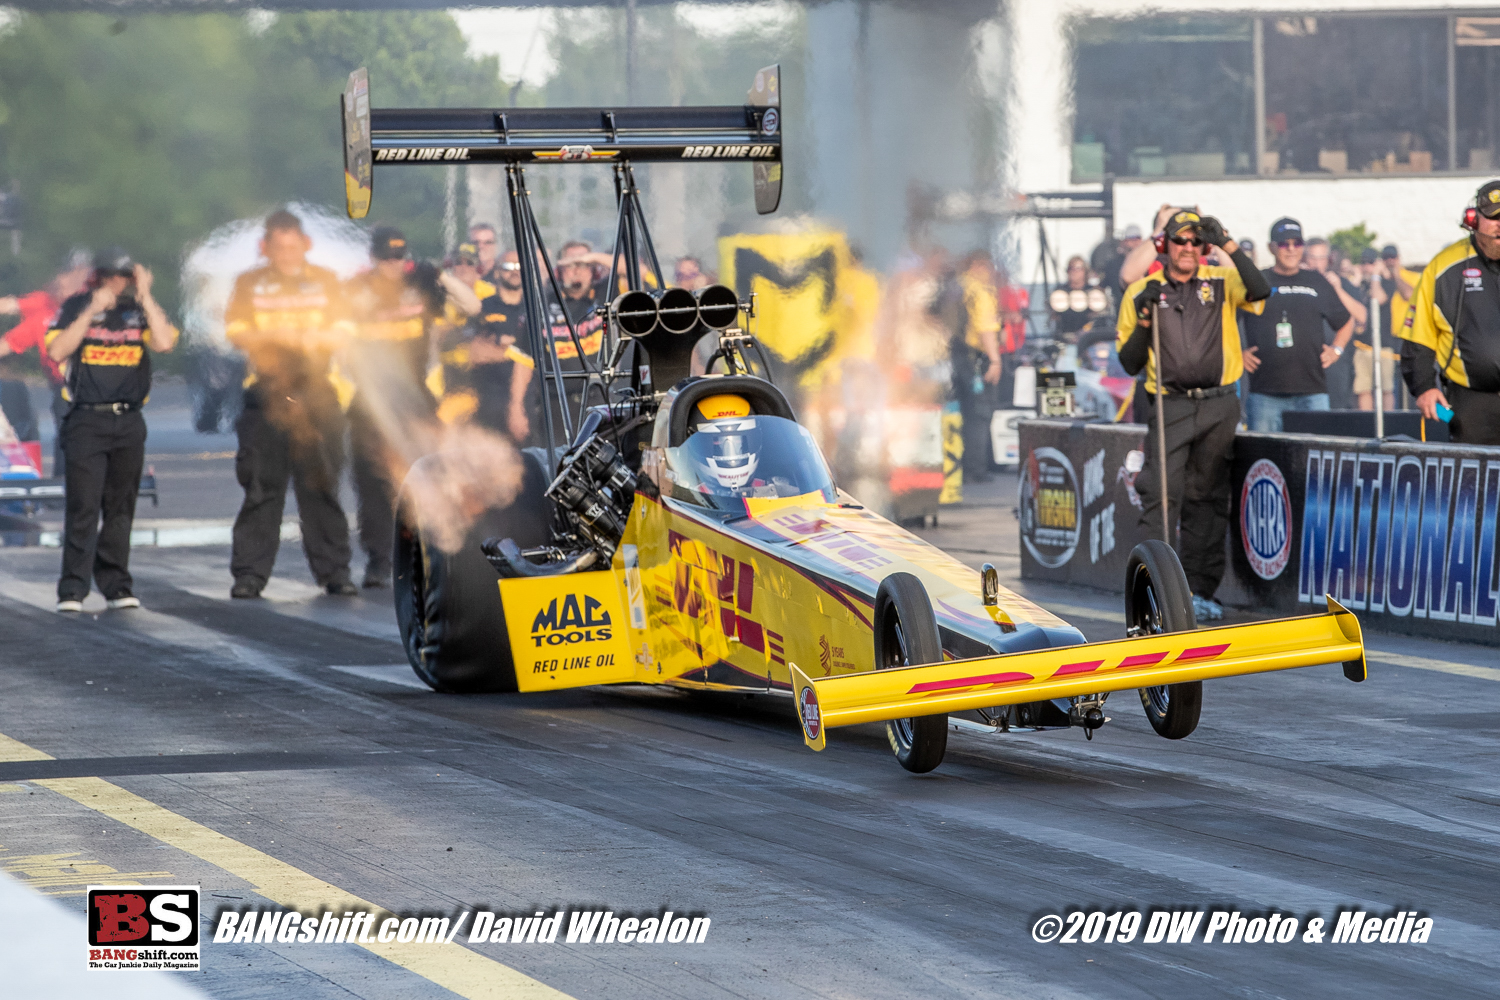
(102, 333)
(36, 310)
(1200, 364)
(288, 317)
(1248, 245)
(1396, 287)
(1450, 354)
(393, 307)
(1319, 256)
(975, 355)
(487, 243)
(583, 275)
(1078, 310)
(1015, 303)
(1107, 257)
(689, 274)
(1285, 352)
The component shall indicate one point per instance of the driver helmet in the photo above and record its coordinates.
(729, 457)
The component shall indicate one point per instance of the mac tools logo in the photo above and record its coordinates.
(572, 624)
(1266, 519)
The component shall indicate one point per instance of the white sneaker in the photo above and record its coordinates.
(70, 606)
(123, 602)
(1206, 608)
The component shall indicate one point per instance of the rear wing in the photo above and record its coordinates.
(1094, 668)
(749, 133)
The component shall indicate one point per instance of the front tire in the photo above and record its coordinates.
(448, 604)
(906, 634)
(1158, 599)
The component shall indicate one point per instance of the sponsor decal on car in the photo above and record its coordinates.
(807, 711)
(729, 152)
(579, 620)
(576, 154)
(421, 154)
(1266, 519)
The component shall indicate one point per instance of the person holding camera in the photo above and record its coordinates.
(1201, 360)
(394, 307)
(101, 336)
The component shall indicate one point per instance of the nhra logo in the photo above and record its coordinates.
(1266, 519)
(587, 623)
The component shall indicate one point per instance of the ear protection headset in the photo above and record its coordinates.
(1470, 221)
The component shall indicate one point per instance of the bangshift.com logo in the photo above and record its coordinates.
(143, 927)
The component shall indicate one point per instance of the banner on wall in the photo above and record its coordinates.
(1401, 532)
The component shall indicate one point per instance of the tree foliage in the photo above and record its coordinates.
(149, 132)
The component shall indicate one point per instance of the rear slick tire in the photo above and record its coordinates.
(448, 604)
(1157, 600)
(906, 635)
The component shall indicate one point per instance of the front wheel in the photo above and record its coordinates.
(1157, 600)
(906, 635)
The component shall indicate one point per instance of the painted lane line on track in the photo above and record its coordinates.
(451, 966)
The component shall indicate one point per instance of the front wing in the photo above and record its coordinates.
(1098, 667)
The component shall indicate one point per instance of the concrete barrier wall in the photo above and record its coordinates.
(1403, 533)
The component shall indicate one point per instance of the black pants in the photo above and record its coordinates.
(104, 454)
(1476, 415)
(974, 407)
(1200, 447)
(308, 450)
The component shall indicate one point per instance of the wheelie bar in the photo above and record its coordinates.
(1018, 678)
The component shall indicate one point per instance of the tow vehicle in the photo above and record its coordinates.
(684, 529)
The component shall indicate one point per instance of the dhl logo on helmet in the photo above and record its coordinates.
(723, 405)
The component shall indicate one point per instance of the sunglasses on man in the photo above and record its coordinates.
(1187, 241)
(513, 266)
(1289, 244)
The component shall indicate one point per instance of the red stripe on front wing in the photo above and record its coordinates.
(958, 682)
(1078, 668)
(1202, 652)
(1141, 660)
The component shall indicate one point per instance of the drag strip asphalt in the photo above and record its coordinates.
(264, 750)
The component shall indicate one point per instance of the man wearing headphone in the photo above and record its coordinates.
(1450, 351)
(1201, 361)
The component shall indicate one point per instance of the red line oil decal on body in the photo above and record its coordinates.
(958, 682)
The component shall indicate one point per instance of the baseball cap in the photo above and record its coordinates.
(1181, 221)
(1284, 229)
(467, 253)
(1488, 200)
(77, 258)
(388, 243)
(1247, 245)
(1368, 255)
(113, 261)
(1132, 232)
(1389, 252)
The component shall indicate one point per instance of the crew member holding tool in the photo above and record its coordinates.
(391, 419)
(289, 319)
(102, 333)
(1194, 379)
(1450, 339)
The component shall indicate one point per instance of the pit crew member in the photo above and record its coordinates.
(1201, 361)
(393, 412)
(1450, 351)
(102, 333)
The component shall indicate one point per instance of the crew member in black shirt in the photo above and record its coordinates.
(102, 334)
(1285, 352)
(392, 419)
(584, 289)
(485, 372)
(1201, 361)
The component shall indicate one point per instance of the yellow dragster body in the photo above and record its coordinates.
(779, 594)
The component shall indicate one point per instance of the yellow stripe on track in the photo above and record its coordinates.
(451, 966)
